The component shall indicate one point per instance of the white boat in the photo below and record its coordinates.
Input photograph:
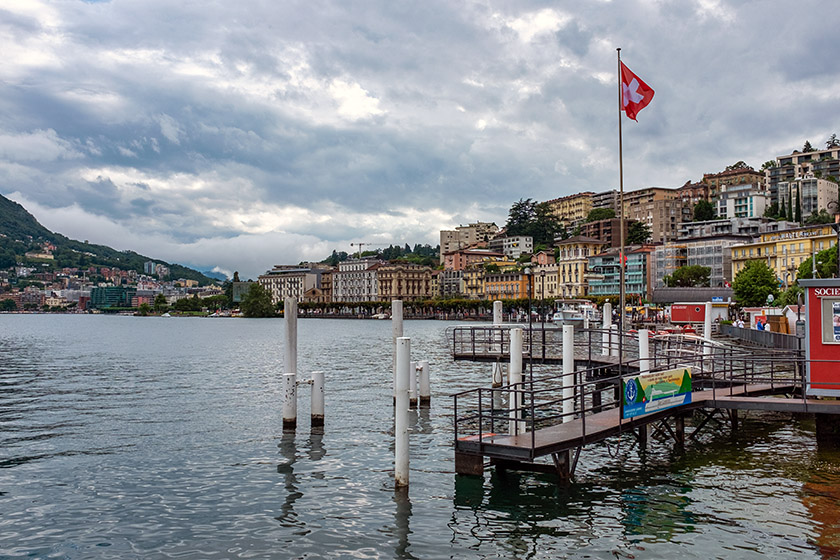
(573, 312)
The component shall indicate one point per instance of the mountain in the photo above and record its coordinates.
(20, 232)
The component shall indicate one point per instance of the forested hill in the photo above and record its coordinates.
(20, 232)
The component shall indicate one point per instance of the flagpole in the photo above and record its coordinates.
(621, 208)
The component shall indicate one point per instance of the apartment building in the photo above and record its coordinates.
(546, 281)
(662, 209)
(606, 272)
(356, 281)
(462, 259)
(466, 236)
(573, 264)
(573, 209)
(692, 193)
(784, 251)
(737, 176)
(814, 194)
(608, 231)
(506, 285)
(284, 281)
(819, 164)
(404, 281)
(606, 199)
(742, 200)
(512, 247)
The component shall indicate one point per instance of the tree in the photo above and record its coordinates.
(737, 165)
(534, 219)
(821, 217)
(807, 147)
(790, 205)
(754, 283)
(832, 142)
(798, 216)
(8, 305)
(772, 211)
(704, 211)
(638, 233)
(769, 164)
(160, 304)
(144, 309)
(257, 302)
(520, 216)
(599, 214)
(782, 213)
(689, 277)
(826, 264)
(236, 276)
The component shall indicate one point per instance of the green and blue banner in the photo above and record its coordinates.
(651, 392)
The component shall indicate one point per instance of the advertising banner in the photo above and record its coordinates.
(652, 392)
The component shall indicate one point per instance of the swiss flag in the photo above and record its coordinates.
(635, 94)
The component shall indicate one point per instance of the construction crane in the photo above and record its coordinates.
(361, 243)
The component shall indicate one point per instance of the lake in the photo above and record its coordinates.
(129, 437)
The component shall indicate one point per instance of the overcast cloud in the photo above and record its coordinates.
(240, 135)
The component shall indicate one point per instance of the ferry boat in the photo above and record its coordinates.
(573, 312)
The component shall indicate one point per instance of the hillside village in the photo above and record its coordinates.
(568, 247)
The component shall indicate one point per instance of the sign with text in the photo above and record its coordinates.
(652, 392)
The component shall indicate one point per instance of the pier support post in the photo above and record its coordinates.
(614, 340)
(643, 436)
(497, 368)
(828, 430)
(317, 407)
(401, 412)
(290, 309)
(425, 385)
(644, 351)
(563, 464)
(707, 330)
(469, 464)
(515, 380)
(679, 430)
(289, 401)
(605, 324)
(412, 384)
(568, 373)
(397, 328)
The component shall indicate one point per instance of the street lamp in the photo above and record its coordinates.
(542, 300)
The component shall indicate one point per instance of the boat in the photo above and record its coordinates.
(573, 312)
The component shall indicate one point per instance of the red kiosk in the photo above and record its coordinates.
(822, 347)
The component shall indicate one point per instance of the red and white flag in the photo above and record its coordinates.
(635, 94)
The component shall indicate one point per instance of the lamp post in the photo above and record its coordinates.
(542, 298)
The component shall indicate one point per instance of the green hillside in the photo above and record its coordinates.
(20, 232)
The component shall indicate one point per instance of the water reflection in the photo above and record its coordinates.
(402, 516)
(288, 517)
(821, 497)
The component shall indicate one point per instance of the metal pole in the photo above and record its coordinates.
(568, 373)
(515, 379)
(401, 412)
(621, 257)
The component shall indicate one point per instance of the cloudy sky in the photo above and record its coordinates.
(239, 135)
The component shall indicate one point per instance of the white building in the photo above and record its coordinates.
(289, 281)
(512, 247)
(814, 194)
(356, 281)
(743, 200)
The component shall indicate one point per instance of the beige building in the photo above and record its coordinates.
(405, 281)
(572, 264)
(289, 281)
(814, 194)
(466, 236)
(660, 208)
(573, 209)
(784, 251)
(356, 281)
(546, 281)
(738, 176)
(819, 163)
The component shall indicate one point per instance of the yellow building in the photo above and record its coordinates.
(573, 209)
(572, 262)
(505, 285)
(546, 281)
(784, 251)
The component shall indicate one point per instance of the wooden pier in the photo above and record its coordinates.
(726, 378)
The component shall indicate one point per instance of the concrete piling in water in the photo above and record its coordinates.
(606, 321)
(289, 401)
(425, 385)
(401, 462)
(568, 373)
(497, 371)
(707, 330)
(515, 380)
(397, 328)
(614, 334)
(290, 365)
(317, 407)
(412, 383)
(644, 351)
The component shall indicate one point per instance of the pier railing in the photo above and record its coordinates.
(484, 415)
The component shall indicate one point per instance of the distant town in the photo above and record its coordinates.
(700, 235)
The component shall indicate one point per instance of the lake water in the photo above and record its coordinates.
(128, 437)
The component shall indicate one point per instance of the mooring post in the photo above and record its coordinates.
(317, 407)
(614, 340)
(397, 328)
(606, 321)
(707, 330)
(290, 309)
(497, 369)
(401, 412)
(425, 385)
(515, 380)
(679, 430)
(412, 384)
(289, 401)
(568, 373)
(644, 351)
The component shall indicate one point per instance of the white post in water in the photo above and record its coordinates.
(290, 314)
(289, 401)
(425, 385)
(397, 325)
(317, 407)
(412, 384)
(707, 329)
(568, 373)
(644, 351)
(606, 322)
(515, 380)
(401, 412)
(497, 371)
(614, 340)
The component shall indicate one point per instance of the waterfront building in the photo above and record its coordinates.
(742, 200)
(466, 236)
(546, 281)
(605, 273)
(660, 208)
(819, 163)
(740, 174)
(473, 282)
(435, 283)
(784, 251)
(111, 296)
(451, 283)
(573, 263)
(573, 209)
(814, 194)
(284, 281)
(356, 281)
(404, 281)
(506, 285)
(512, 247)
